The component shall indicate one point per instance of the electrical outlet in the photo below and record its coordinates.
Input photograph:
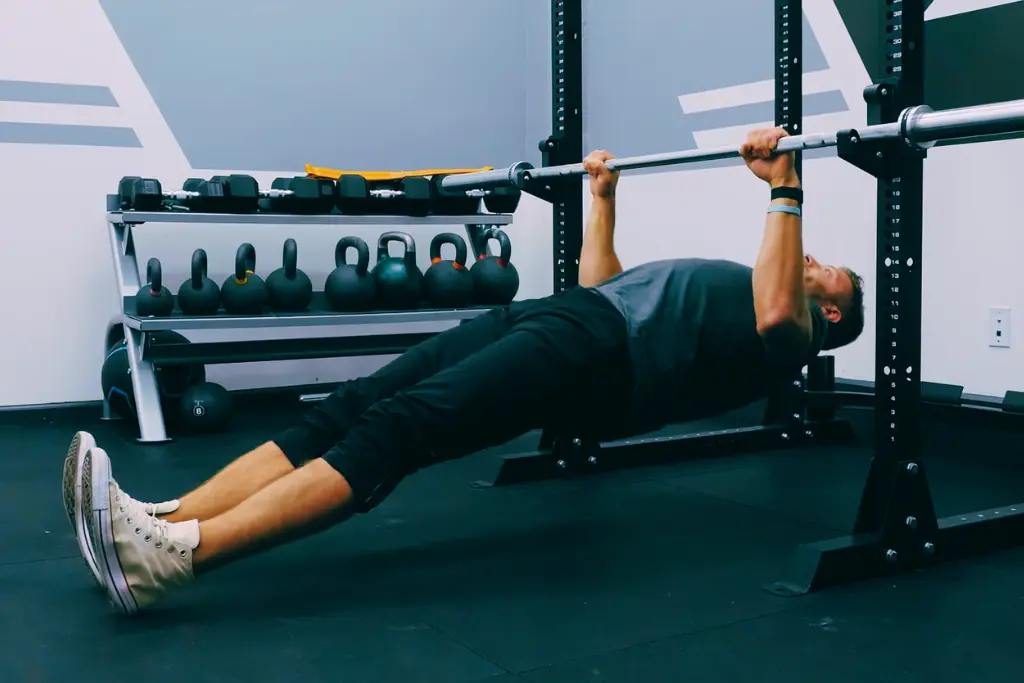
(999, 327)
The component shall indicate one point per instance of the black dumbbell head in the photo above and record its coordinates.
(352, 195)
(352, 187)
(144, 194)
(241, 192)
(503, 199)
(416, 198)
(415, 188)
(309, 195)
(124, 191)
(451, 202)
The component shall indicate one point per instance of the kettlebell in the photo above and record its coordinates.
(448, 284)
(244, 292)
(199, 295)
(399, 280)
(153, 299)
(495, 279)
(351, 287)
(289, 288)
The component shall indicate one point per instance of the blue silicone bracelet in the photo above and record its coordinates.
(784, 208)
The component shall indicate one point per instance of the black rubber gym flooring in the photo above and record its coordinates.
(646, 575)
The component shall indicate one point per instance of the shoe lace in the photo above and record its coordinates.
(153, 530)
(123, 499)
(145, 522)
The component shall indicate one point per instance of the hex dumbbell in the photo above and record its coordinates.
(503, 199)
(147, 194)
(286, 195)
(467, 202)
(411, 196)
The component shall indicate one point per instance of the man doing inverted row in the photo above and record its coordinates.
(622, 354)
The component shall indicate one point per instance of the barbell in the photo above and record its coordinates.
(918, 127)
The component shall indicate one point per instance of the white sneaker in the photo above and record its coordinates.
(71, 484)
(139, 556)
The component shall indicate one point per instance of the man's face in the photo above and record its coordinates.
(829, 286)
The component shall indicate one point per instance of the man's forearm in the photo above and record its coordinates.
(598, 261)
(779, 296)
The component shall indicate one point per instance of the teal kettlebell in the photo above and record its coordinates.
(399, 280)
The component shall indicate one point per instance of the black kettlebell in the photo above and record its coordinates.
(399, 279)
(199, 295)
(351, 287)
(244, 292)
(495, 279)
(153, 299)
(204, 407)
(448, 284)
(289, 288)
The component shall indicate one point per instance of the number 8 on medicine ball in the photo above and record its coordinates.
(205, 407)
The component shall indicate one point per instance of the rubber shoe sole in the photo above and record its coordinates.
(71, 484)
(96, 502)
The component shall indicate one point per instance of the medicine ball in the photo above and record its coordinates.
(172, 381)
(204, 407)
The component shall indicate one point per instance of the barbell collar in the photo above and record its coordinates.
(909, 122)
(964, 123)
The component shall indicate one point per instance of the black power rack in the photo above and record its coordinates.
(565, 144)
(786, 422)
(896, 528)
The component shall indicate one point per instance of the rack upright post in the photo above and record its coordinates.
(896, 528)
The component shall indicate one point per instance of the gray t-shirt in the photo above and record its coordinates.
(693, 339)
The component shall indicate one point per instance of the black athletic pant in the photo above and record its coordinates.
(560, 362)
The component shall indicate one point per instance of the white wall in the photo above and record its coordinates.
(59, 285)
(57, 275)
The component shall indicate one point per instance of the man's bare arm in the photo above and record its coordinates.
(780, 303)
(779, 297)
(598, 260)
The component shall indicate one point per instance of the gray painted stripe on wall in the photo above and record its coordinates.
(830, 102)
(57, 93)
(59, 134)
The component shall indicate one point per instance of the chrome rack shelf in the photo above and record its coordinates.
(133, 217)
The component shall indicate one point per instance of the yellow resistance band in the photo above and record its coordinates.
(333, 174)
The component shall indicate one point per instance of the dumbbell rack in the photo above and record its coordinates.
(144, 358)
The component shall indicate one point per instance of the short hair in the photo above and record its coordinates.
(851, 324)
